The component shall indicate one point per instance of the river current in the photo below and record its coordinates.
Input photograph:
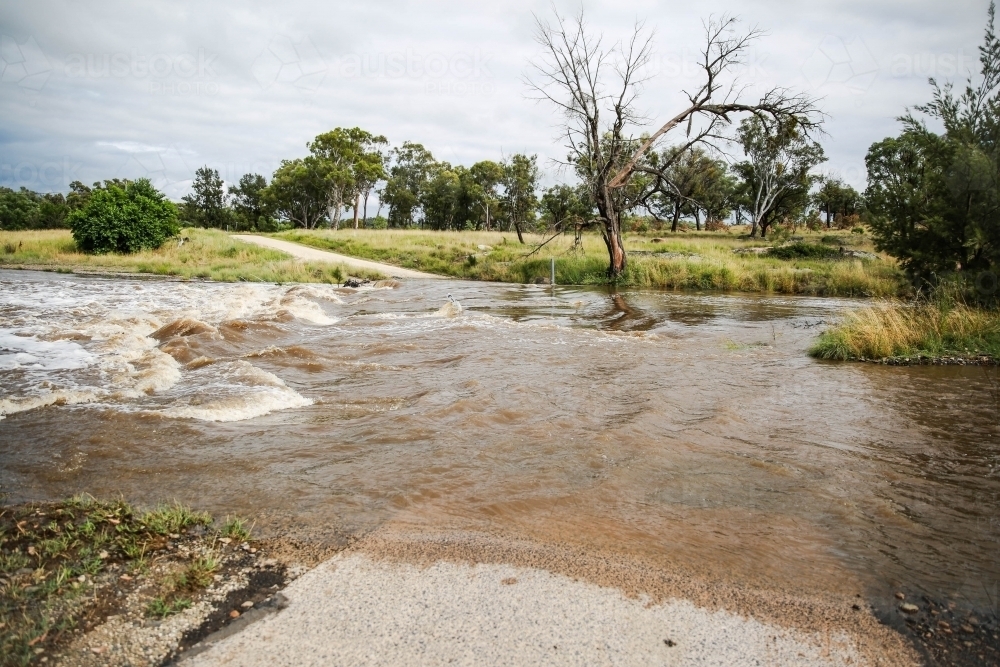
(689, 427)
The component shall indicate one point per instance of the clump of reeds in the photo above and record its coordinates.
(891, 329)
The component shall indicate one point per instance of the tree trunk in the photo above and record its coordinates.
(697, 220)
(612, 232)
(357, 205)
(367, 192)
(517, 226)
(677, 216)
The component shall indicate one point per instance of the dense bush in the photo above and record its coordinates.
(124, 218)
(25, 209)
(803, 251)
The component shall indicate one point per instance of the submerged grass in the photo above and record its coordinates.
(692, 260)
(51, 556)
(892, 329)
(209, 254)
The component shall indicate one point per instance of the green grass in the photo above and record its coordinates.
(693, 260)
(235, 529)
(892, 329)
(209, 254)
(51, 555)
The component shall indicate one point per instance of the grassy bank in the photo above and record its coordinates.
(893, 330)
(57, 561)
(207, 254)
(691, 260)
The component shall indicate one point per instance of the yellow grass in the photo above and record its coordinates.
(207, 254)
(892, 329)
(690, 260)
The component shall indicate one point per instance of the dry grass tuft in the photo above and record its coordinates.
(894, 329)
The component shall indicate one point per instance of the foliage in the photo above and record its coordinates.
(25, 209)
(251, 209)
(689, 181)
(298, 192)
(927, 330)
(412, 165)
(124, 219)
(934, 198)
(563, 205)
(520, 181)
(803, 251)
(834, 197)
(776, 172)
(206, 206)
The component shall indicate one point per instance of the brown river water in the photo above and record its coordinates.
(692, 427)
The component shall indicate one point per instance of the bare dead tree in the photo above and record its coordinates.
(585, 80)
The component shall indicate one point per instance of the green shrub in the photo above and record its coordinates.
(803, 251)
(124, 219)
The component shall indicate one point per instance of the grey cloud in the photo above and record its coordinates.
(158, 89)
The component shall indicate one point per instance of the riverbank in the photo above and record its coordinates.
(721, 261)
(897, 333)
(89, 582)
(205, 254)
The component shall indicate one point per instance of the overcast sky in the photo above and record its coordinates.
(94, 90)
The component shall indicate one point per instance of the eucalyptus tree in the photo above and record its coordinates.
(367, 167)
(247, 200)
(597, 90)
(834, 196)
(410, 170)
(776, 172)
(334, 154)
(298, 192)
(484, 178)
(520, 185)
(563, 205)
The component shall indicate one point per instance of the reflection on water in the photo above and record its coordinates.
(687, 427)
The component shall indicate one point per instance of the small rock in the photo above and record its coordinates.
(908, 608)
(944, 624)
(225, 540)
(125, 577)
(32, 552)
(103, 555)
(234, 614)
(968, 629)
(98, 649)
(247, 604)
(82, 578)
(253, 550)
(900, 596)
(174, 536)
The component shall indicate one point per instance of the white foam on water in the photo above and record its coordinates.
(116, 361)
(30, 352)
(238, 391)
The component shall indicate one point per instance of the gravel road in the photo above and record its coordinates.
(316, 255)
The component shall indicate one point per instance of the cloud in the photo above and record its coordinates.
(136, 89)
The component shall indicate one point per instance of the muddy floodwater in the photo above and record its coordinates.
(691, 428)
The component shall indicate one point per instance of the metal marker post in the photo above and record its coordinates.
(552, 281)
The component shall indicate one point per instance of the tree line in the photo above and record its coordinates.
(932, 197)
(345, 167)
